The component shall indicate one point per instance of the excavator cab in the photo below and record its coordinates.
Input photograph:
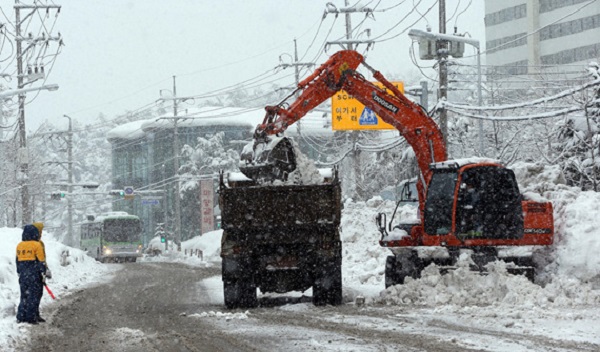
(474, 201)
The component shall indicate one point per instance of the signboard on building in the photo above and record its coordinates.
(207, 196)
(150, 201)
(347, 113)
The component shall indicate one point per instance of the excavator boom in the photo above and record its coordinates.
(337, 73)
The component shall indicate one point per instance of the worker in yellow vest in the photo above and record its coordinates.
(31, 267)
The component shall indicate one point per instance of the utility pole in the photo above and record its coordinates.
(354, 134)
(70, 239)
(176, 162)
(442, 53)
(23, 155)
(349, 46)
(23, 152)
(296, 64)
(177, 201)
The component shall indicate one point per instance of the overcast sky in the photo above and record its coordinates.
(119, 54)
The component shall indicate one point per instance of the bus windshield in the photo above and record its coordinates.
(122, 230)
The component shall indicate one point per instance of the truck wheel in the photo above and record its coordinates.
(327, 288)
(239, 294)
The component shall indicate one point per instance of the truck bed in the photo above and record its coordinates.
(287, 206)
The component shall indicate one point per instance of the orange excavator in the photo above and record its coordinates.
(471, 204)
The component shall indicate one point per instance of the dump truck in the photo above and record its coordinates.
(280, 238)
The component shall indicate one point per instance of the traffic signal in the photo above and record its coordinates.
(163, 239)
(57, 195)
(116, 192)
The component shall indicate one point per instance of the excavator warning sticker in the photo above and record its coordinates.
(349, 114)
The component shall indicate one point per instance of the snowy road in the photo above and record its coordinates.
(174, 307)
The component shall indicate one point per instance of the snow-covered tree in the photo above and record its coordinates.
(579, 135)
(207, 157)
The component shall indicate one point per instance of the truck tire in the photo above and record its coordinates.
(327, 287)
(239, 294)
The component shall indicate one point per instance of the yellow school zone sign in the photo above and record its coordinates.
(347, 113)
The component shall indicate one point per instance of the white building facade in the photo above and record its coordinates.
(528, 37)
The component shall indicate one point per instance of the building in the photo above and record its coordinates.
(143, 158)
(532, 37)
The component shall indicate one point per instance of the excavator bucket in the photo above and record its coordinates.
(268, 159)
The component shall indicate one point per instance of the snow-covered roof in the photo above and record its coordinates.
(115, 215)
(208, 116)
(129, 131)
(313, 123)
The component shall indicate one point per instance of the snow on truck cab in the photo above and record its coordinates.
(469, 204)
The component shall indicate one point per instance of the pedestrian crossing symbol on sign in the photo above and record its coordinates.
(368, 117)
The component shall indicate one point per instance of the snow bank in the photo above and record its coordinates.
(576, 222)
(209, 243)
(71, 268)
(463, 288)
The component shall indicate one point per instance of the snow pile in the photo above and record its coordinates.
(306, 172)
(226, 316)
(363, 260)
(209, 244)
(71, 268)
(126, 337)
(463, 287)
(576, 224)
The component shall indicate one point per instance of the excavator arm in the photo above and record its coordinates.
(340, 72)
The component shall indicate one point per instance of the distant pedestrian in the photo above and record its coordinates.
(31, 267)
(48, 275)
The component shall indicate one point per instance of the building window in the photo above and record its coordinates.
(506, 42)
(551, 5)
(511, 69)
(505, 15)
(572, 55)
(570, 27)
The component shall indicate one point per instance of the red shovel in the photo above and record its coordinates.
(49, 292)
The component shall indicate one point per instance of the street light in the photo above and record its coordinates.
(10, 93)
(418, 34)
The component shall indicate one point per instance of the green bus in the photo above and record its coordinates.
(112, 237)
